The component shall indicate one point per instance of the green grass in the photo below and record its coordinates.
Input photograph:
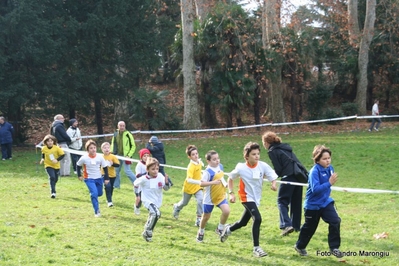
(36, 230)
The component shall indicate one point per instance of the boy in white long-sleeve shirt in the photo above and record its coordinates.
(151, 186)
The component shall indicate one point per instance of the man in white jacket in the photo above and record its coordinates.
(375, 111)
(76, 141)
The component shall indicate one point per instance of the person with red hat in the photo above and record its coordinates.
(141, 170)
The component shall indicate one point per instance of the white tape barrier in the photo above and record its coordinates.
(345, 189)
(245, 127)
(117, 156)
(342, 189)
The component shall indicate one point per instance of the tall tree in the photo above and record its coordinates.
(271, 39)
(363, 58)
(191, 118)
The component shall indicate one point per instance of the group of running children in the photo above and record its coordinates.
(208, 187)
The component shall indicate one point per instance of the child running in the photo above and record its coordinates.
(51, 157)
(251, 174)
(141, 170)
(92, 163)
(214, 194)
(192, 184)
(151, 186)
(319, 204)
(112, 163)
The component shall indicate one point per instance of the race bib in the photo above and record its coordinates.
(153, 183)
(256, 174)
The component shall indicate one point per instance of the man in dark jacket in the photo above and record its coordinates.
(6, 132)
(59, 132)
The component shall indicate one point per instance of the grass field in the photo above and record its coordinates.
(37, 230)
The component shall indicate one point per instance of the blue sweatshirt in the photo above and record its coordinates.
(319, 189)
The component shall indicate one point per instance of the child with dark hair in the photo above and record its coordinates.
(92, 164)
(192, 184)
(251, 175)
(319, 204)
(51, 157)
(151, 186)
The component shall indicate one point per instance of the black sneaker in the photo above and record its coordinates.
(200, 237)
(301, 251)
(337, 253)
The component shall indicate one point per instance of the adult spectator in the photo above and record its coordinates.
(155, 146)
(59, 132)
(76, 141)
(6, 132)
(122, 144)
(375, 111)
(282, 156)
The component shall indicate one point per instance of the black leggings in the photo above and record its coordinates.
(251, 210)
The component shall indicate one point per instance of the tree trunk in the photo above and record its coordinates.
(293, 87)
(203, 7)
(363, 59)
(353, 23)
(191, 109)
(98, 115)
(271, 31)
(257, 97)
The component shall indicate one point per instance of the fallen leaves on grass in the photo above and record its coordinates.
(381, 235)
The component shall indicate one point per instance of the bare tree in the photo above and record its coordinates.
(271, 37)
(191, 109)
(353, 22)
(363, 57)
(203, 7)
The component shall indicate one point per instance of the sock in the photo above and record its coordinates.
(201, 231)
(220, 226)
(255, 248)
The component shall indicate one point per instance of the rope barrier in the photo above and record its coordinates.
(341, 189)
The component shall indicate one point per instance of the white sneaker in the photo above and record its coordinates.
(175, 211)
(136, 210)
(225, 233)
(376, 129)
(98, 214)
(147, 235)
(75, 172)
(110, 204)
(198, 221)
(258, 252)
(53, 195)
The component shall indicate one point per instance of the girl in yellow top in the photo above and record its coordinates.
(51, 157)
(112, 163)
(192, 184)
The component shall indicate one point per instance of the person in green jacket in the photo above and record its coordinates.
(122, 144)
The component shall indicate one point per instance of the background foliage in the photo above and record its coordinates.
(95, 58)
